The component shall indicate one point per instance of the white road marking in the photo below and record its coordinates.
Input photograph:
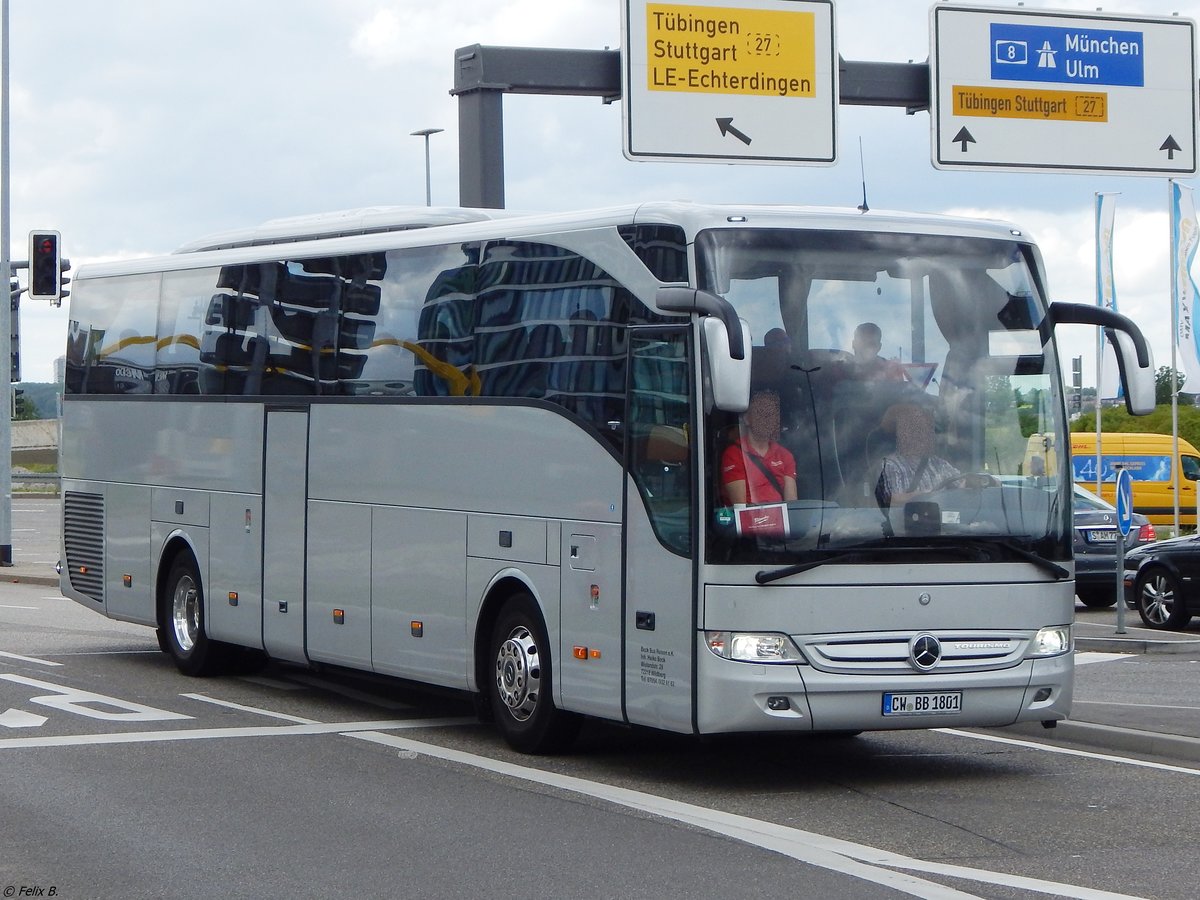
(1066, 751)
(1083, 657)
(28, 659)
(1135, 705)
(251, 709)
(846, 857)
(18, 718)
(84, 703)
(8, 606)
(205, 734)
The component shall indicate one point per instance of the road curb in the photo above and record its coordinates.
(1114, 738)
(1118, 644)
(45, 580)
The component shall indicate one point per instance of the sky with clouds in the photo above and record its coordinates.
(138, 125)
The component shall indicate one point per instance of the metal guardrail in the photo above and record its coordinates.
(38, 478)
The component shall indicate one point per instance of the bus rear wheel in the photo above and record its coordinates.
(521, 682)
(182, 618)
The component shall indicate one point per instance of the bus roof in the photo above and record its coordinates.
(383, 228)
(342, 223)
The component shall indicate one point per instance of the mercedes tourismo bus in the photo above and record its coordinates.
(484, 451)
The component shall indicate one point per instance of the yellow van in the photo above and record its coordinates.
(1148, 459)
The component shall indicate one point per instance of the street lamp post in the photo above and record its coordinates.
(425, 133)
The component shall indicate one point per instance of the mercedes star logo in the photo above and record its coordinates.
(925, 651)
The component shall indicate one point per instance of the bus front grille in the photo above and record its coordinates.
(83, 537)
(891, 653)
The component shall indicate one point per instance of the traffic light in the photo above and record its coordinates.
(14, 340)
(45, 266)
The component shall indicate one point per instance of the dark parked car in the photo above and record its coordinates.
(1096, 547)
(1161, 582)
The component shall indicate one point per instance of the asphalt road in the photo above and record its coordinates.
(123, 778)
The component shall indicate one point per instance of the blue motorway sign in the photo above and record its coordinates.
(1076, 56)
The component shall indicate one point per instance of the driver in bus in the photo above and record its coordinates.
(757, 468)
(914, 468)
(867, 364)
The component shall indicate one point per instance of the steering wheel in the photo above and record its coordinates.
(974, 481)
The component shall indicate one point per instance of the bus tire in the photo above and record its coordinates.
(520, 685)
(183, 621)
(1159, 602)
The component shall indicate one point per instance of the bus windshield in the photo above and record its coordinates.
(896, 381)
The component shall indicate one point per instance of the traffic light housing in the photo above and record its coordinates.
(45, 265)
(14, 340)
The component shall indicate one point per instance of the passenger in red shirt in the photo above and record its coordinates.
(757, 469)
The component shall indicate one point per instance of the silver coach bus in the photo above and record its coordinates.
(492, 452)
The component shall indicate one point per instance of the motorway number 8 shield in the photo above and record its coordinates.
(923, 704)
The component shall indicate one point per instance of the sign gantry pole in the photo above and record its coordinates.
(6, 557)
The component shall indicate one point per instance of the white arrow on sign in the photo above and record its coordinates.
(18, 718)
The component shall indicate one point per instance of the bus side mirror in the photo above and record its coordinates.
(1134, 359)
(729, 378)
(726, 341)
(1138, 380)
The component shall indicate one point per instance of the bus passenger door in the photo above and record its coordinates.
(660, 607)
(285, 494)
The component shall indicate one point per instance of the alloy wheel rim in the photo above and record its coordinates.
(1159, 599)
(519, 673)
(185, 613)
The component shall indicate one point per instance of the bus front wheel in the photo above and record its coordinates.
(182, 628)
(521, 690)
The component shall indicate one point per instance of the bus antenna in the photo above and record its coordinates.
(863, 169)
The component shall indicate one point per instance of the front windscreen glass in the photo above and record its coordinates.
(903, 398)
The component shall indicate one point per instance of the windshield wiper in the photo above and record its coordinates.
(1046, 565)
(766, 576)
(969, 546)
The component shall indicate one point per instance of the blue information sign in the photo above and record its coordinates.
(1075, 56)
(1124, 502)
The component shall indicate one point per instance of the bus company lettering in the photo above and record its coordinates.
(703, 49)
(654, 666)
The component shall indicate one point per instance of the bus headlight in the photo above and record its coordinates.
(1051, 641)
(755, 647)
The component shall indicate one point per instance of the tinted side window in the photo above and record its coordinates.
(551, 324)
(182, 310)
(111, 339)
(662, 248)
(429, 321)
(297, 327)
